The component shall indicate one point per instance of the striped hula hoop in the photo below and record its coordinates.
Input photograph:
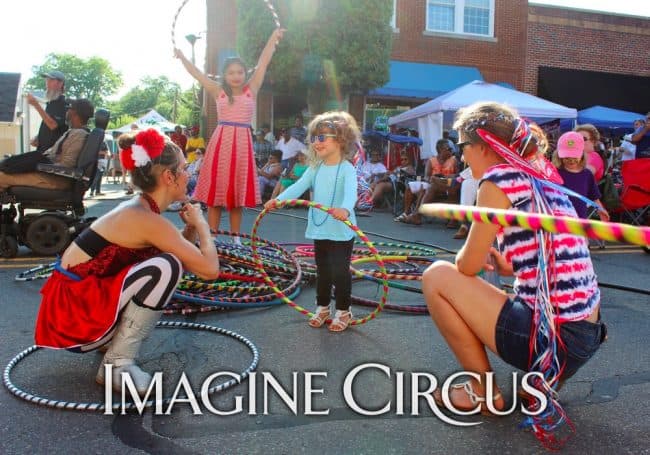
(100, 407)
(355, 229)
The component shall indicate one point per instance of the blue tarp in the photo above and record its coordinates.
(619, 122)
(398, 139)
(424, 80)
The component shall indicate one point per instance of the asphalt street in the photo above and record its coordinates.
(608, 399)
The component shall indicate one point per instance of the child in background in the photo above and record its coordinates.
(333, 180)
(570, 160)
(296, 172)
(270, 172)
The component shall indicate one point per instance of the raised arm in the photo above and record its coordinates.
(265, 58)
(213, 87)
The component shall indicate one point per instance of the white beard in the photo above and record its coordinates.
(51, 95)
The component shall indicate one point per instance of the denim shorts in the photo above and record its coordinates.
(581, 338)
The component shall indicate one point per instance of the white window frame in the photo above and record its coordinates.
(393, 19)
(459, 20)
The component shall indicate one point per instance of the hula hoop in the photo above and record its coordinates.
(355, 229)
(599, 230)
(39, 272)
(100, 407)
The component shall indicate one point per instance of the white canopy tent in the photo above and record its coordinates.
(151, 119)
(428, 117)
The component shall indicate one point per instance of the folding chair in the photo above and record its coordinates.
(635, 193)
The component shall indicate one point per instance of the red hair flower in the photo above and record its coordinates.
(148, 145)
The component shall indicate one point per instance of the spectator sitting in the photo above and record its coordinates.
(268, 134)
(179, 138)
(296, 172)
(269, 174)
(641, 138)
(193, 174)
(374, 169)
(193, 169)
(595, 162)
(194, 142)
(64, 152)
(627, 149)
(298, 131)
(440, 173)
(398, 177)
(289, 146)
(262, 148)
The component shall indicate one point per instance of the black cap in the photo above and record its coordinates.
(83, 107)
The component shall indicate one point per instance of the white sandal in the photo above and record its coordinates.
(474, 398)
(341, 321)
(319, 318)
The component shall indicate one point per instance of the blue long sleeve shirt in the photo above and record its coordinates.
(323, 180)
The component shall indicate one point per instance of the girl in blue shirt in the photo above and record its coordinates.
(333, 181)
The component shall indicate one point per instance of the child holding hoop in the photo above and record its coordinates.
(228, 177)
(332, 178)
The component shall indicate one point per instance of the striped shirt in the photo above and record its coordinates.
(574, 289)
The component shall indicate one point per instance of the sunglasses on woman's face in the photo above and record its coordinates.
(321, 137)
(462, 145)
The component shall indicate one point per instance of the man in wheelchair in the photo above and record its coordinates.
(65, 152)
(53, 184)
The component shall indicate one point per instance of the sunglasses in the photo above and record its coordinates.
(321, 137)
(462, 145)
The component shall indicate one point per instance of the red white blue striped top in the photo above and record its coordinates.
(574, 289)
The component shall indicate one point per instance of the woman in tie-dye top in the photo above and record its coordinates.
(472, 314)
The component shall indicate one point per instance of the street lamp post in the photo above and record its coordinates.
(198, 97)
(191, 38)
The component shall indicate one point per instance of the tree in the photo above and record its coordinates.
(157, 93)
(331, 48)
(91, 78)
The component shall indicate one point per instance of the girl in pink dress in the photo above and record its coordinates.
(228, 176)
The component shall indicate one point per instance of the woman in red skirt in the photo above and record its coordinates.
(112, 282)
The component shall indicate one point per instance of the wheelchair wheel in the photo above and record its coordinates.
(8, 247)
(47, 235)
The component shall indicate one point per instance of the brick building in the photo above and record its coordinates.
(573, 57)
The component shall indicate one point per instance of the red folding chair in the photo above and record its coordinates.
(635, 194)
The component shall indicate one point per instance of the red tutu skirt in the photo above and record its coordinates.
(75, 313)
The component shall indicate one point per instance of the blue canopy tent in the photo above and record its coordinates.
(604, 118)
(410, 144)
(398, 139)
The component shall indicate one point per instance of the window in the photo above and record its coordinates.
(470, 17)
(440, 15)
(393, 19)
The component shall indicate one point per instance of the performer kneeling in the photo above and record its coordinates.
(112, 282)
(551, 324)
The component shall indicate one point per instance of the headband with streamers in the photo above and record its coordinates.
(149, 145)
(540, 168)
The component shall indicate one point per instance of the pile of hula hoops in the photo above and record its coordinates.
(291, 267)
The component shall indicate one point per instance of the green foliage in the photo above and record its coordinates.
(161, 94)
(344, 43)
(91, 78)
